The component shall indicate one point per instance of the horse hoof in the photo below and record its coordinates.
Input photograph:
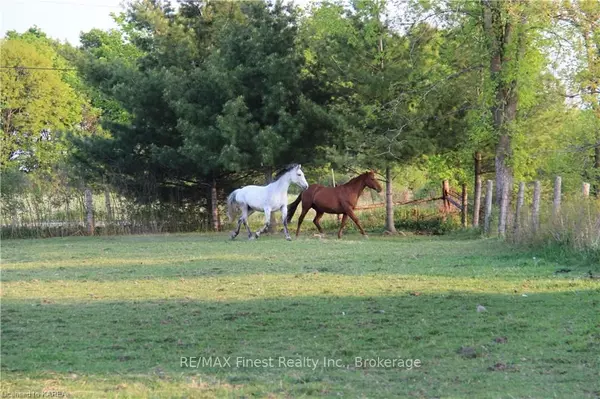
(366, 237)
(288, 238)
(232, 236)
(251, 238)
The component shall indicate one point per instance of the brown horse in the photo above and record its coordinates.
(338, 200)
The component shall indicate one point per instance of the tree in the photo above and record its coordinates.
(582, 19)
(505, 26)
(255, 114)
(38, 106)
(380, 80)
(507, 39)
(267, 104)
(218, 93)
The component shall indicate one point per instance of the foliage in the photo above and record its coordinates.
(377, 79)
(38, 105)
(177, 99)
(203, 108)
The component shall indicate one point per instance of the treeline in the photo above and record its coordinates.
(184, 102)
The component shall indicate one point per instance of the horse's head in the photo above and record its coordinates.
(372, 182)
(296, 176)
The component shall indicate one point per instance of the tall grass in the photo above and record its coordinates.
(576, 227)
(51, 215)
(422, 219)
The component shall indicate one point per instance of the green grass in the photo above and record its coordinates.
(112, 317)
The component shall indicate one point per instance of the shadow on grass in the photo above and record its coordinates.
(536, 346)
(391, 256)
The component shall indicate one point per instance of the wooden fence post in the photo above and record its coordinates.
(389, 202)
(477, 193)
(556, 202)
(520, 199)
(339, 217)
(463, 215)
(68, 209)
(273, 221)
(488, 206)
(535, 213)
(89, 208)
(586, 190)
(446, 194)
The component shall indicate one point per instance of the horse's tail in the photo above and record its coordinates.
(292, 207)
(230, 205)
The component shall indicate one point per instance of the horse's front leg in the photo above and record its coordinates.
(267, 222)
(283, 210)
(350, 213)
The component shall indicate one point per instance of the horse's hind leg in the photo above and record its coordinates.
(316, 222)
(246, 212)
(248, 228)
(283, 210)
(267, 222)
(342, 224)
(301, 219)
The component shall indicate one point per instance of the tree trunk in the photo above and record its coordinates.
(273, 221)
(89, 208)
(389, 202)
(504, 173)
(504, 180)
(506, 52)
(464, 205)
(477, 194)
(556, 201)
(488, 207)
(214, 205)
(597, 169)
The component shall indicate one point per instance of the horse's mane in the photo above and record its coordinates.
(284, 171)
(355, 178)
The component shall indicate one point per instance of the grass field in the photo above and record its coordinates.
(113, 317)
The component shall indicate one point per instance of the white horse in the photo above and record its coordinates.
(267, 199)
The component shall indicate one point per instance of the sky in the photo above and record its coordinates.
(59, 19)
(62, 19)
